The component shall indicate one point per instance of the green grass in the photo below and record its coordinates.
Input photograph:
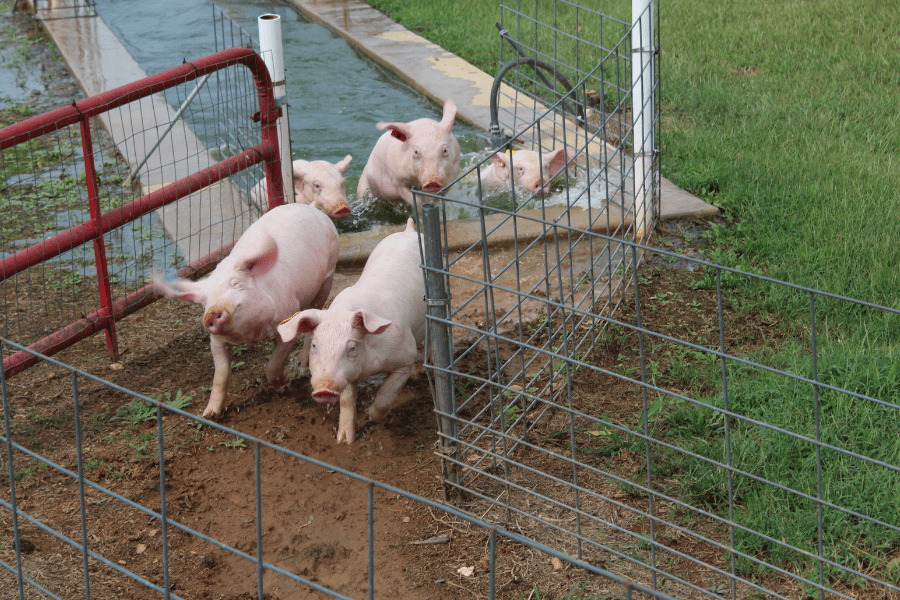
(784, 115)
(852, 424)
(137, 411)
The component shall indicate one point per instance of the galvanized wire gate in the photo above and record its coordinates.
(63, 198)
(731, 474)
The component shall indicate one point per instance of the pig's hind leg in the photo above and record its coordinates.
(275, 367)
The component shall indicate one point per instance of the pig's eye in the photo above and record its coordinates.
(415, 153)
(317, 186)
(446, 152)
(351, 349)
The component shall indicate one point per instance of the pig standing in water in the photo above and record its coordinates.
(283, 263)
(317, 183)
(531, 170)
(375, 326)
(422, 154)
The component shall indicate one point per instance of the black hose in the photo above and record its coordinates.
(498, 138)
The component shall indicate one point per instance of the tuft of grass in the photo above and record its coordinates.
(138, 411)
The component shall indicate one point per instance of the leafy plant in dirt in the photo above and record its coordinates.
(138, 411)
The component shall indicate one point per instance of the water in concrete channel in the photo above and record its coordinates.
(336, 96)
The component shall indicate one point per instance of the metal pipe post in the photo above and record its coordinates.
(271, 50)
(437, 299)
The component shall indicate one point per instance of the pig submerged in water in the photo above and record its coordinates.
(530, 170)
(283, 263)
(317, 183)
(375, 326)
(422, 154)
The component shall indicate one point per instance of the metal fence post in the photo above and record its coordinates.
(437, 299)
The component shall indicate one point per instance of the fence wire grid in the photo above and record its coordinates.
(591, 409)
(134, 149)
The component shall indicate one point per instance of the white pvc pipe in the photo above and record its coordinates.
(271, 51)
(642, 109)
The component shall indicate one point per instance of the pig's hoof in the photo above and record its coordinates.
(344, 437)
(280, 382)
(376, 414)
(211, 413)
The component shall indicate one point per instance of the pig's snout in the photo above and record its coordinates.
(432, 187)
(215, 319)
(342, 212)
(326, 396)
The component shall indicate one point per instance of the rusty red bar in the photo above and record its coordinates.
(89, 230)
(94, 322)
(94, 229)
(112, 344)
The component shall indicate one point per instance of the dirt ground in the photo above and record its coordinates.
(314, 518)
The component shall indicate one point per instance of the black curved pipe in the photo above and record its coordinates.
(498, 138)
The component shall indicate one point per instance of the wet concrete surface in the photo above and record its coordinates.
(440, 74)
(98, 61)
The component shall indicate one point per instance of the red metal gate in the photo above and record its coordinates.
(101, 223)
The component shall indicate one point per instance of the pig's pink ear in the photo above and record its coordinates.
(501, 165)
(449, 114)
(258, 256)
(301, 171)
(556, 161)
(342, 166)
(303, 322)
(372, 323)
(401, 131)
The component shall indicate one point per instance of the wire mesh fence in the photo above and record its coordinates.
(100, 159)
(111, 538)
(630, 411)
(671, 440)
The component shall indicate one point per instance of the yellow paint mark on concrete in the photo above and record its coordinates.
(457, 68)
(408, 36)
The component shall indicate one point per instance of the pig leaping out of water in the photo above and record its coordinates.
(282, 264)
(529, 170)
(422, 155)
(318, 183)
(375, 326)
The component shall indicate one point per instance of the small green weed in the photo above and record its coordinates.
(138, 411)
(234, 442)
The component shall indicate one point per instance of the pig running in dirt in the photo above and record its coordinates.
(531, 170)
(317, 183)
(375, 326)
(283, 263)
(422, 155)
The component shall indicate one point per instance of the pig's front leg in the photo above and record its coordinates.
(275, 367)
(347, 419)
(221, 351)
(387, 393)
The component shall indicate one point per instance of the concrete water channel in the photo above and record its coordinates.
(100, 56)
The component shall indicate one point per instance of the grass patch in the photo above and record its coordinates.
(853, 424)
(137, 411)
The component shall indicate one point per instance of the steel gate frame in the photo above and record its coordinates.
(101, 223)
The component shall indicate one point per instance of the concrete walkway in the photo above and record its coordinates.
(99, 62)
(439, 75)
